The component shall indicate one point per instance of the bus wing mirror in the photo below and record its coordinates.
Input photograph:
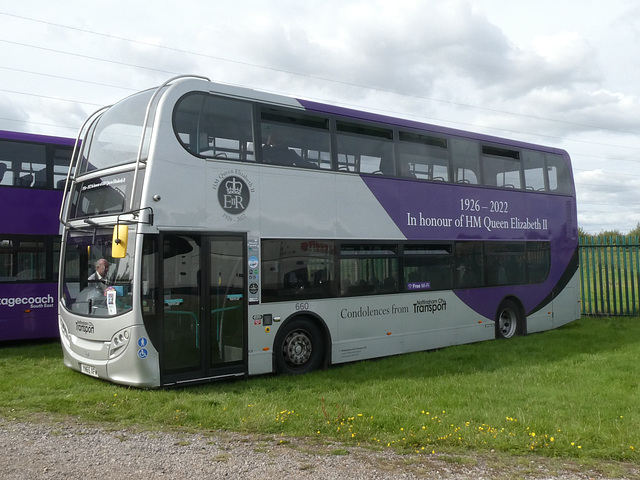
(120, 238)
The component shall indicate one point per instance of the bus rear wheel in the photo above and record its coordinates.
(510, 320)
(298, 348)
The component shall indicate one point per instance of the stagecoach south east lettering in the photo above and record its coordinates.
(234, 193)
(30, 302)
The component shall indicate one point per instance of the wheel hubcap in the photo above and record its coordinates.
(297, 348)
(508, 323)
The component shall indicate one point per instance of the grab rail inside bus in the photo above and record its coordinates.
(147, 115)
(75, 156)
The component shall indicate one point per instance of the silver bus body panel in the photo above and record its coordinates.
(392, 324)
(187, 194)
(87, 341)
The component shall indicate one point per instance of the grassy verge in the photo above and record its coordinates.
(572, 392)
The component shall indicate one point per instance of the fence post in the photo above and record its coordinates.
(610, 275)
(625, 267)
(635, 285)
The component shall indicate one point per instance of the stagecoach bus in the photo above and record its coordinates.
(33, 169)
(214, 232)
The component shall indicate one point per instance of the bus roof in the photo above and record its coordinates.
(402, 122)
(32, 137)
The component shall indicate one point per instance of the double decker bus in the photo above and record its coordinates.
(214, 232)
(33, 169)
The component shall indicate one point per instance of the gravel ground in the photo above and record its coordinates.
(54, 450)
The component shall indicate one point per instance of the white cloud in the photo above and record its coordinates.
(570, 80)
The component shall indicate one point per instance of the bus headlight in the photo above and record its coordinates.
(119, 342)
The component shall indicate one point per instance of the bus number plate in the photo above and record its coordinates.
(89, 370)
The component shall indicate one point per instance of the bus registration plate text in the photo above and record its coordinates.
(88, 370)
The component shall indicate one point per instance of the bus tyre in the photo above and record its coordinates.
(509, 320)
(298, 348)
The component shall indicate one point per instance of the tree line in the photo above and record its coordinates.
(611, 233)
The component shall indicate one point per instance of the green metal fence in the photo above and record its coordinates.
(610, 275)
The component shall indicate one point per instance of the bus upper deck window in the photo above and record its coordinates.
(215, 127)
(465, 160)
(559, 175)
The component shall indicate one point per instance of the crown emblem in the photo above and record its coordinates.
(234, 187)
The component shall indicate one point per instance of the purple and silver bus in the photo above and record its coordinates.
(213, 232)
(33, 169)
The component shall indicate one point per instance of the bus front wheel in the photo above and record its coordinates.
(510, 320)
(298, 348)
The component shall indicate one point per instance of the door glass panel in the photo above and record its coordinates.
(226, 300)
(181, 262)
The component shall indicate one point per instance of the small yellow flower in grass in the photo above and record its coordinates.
(552, 439)
(631, 447)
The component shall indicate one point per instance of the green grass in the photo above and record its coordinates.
(573, 392)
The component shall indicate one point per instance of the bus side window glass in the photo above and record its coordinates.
(61, 160)
(57, 245)
(215, 127)
(465, 160)
(31, 260)
(501, 167)
(365, 149)
(469, 264)
(295, 140)
(559, 176)
(368, 269)
(25, 164)
(6, 260)
(428, 267)
(505, 263)
(6, 175)
(538, 261)
(33, 170)
(424, 157)
(533, 167)
(297, 269)
(368, 276)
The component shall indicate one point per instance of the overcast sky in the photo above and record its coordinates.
(563, 73)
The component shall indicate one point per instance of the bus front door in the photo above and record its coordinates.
(204, 311)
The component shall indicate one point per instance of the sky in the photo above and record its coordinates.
(562, 73)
